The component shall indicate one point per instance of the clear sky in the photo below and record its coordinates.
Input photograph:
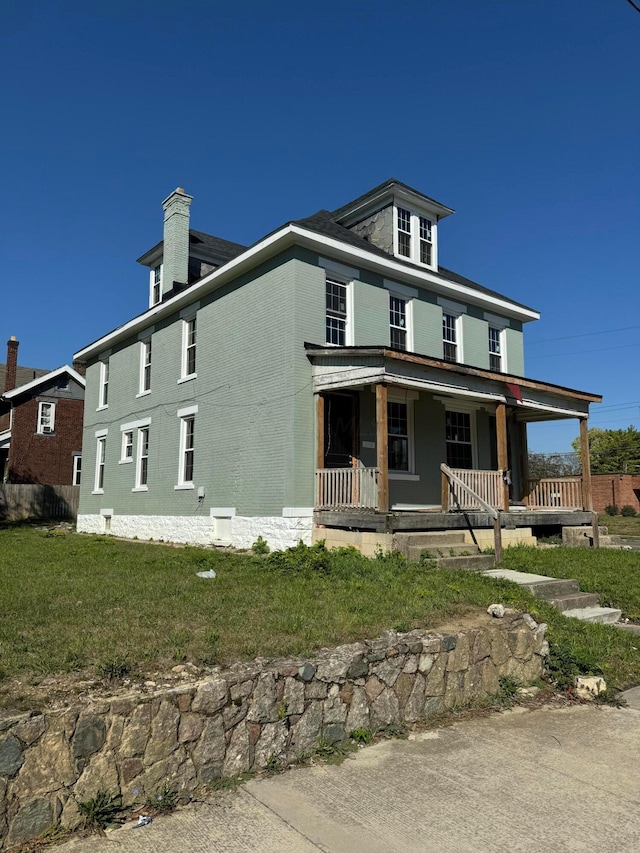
(523, 115)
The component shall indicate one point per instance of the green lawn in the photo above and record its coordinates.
(620, 525)
(70, 602)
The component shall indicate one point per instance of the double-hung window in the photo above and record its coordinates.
(189, 348)
(145, 366)
(415, 236)
(156, 285)
(101, 453)
(103, 394)
(426, 242)
(46, 418)
(404, 232)
(450, 336)
(127, 446)
(186, 459)
(77, 469)
(142, 463)
(398, 321)
(459, 439)
(495, 350)
(398, 438)
(336, 313)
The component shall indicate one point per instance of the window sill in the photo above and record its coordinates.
(143, 393)
(125, 461)
(102, 408)
(140, 489)
(46, 434)
(187, 378)
(98, 492)
(182, 486)
(404, 475)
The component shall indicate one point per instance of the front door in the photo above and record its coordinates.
(340, 430)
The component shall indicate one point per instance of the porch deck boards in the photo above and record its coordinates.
(389, 522)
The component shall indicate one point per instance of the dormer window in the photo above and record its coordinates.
(156, 285)
(415, 237)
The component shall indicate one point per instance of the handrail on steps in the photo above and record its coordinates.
(494, 513)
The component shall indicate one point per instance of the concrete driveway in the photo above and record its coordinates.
(548, 779)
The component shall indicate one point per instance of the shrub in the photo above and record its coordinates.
(611, 509)
(628, 511)
(260, 546)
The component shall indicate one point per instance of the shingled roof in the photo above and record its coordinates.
(23, 375)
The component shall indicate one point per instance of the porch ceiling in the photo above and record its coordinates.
(530, 400)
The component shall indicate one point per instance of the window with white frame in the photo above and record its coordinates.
(77, 469)
(46, 418)
(188, 347)
(187, 447)
(145, 366)
(404, 232)
(398, 321)
(101, 450)
(142, 463)
(495, 349)
(126, 454)
(450, 336)
(103, 394)
(156, 285)
(399, 445)
(336, 312)
(426, 241)
(458, 433)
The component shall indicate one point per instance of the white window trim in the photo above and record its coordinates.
(349, 323)
(501, 343)
(101, 438)
(104, 367)
(408, 316)
(152, 301)
(184, 414)
(39, 425)
(408, 398)
(184, 376)
(415, 215)
(124, 459)
(142, 391)
(139, 486)
(77, 458)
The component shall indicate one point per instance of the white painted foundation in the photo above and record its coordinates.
(278, 531)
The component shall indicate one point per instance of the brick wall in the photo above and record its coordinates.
(45, 459)
(618, 489)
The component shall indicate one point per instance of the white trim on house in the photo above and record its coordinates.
(284, 238)
(339, 269)
(143, 422)
(22, 389)
(188, 410)
(42, 427)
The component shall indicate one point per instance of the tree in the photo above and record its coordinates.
(613, 451)
(553, 465)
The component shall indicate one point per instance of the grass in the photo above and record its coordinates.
(619, 525)
(97, 605)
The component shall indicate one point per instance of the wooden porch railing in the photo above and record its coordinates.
(340, 488)
(472, 489)
(549, 493)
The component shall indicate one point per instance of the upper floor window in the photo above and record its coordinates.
(398, 322)
(103, 396)
(126, 454)
(450, 336)
(156, 285)
(145, 366)
(189, 348)
(46, 418)
(142, 466)
(415, 237)
(495, 350)
(336, 313)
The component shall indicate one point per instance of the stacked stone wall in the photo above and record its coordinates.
(243, 718)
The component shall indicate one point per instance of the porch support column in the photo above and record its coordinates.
(320, 431)
(587, 500)
(382, 448)
(503, 456)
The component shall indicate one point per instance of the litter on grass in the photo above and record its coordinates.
(209, 574)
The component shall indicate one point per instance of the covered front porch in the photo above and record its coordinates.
(408, 442)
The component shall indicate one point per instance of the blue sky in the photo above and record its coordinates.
(520, 114)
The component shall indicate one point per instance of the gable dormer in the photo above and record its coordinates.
(397, 219)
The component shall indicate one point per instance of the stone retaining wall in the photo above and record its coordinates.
(239, 719)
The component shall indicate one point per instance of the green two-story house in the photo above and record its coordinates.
(330, 374)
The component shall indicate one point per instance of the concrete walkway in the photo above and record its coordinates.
(549, 779)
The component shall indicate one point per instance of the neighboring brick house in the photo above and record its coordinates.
(41, 416)
(615, 490)
(330, 375)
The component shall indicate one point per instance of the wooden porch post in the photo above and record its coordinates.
(587, 500)
(320, 432)
(382, 448)
(503, 456)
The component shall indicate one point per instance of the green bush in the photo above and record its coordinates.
(628, 511)
(611, 509)
(260, 546)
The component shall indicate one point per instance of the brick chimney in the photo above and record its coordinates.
(175, 259)
(80, 367)
(12, 364)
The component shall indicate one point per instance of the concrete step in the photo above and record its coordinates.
(551, 587)
(605, 615)
(416, 551)
(426, 539)
(574, 601)
(611, 541)
(475, 563)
